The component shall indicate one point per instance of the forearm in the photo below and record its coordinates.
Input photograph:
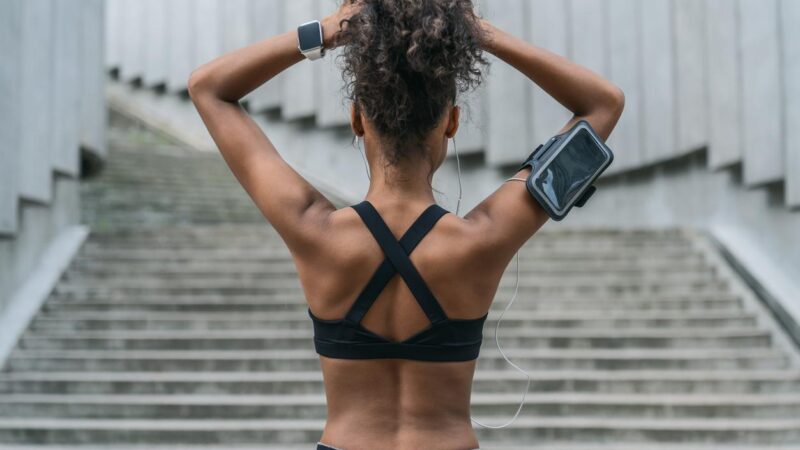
(232, 76)
(577, 88)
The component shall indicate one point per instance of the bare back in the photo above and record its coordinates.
(398, 403)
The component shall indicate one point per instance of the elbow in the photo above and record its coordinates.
(616, 101)
(197, 84)
(606, 114)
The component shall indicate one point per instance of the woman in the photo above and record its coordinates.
(398, 362)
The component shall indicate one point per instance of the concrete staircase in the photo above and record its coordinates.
(182, 324)
(165, 185)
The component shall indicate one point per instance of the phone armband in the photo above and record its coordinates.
(564, 169)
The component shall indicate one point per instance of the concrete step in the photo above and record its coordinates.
(526, 295)
(313, 406)
(265, 252)
(293, 288)
(268, 237)
(222, 303)
(204, 175)
(191, 197)
(556, 261)
(111, 181)
(306, 359)
(204, 269)
(225, 232)
(272, 240)
(227, 208)
(298, 339)
(168, 321)
(97, 267)
(162, 168)
(485, 445)
(738, 381)
(552, 429)
(157, 219)
(277, 279)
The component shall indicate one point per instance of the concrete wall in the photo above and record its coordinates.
(39, 224)
(696, 73)
(52, 81)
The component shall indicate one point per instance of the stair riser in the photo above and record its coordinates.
(264, 255)
(161, 270)
(525, 296)
(543, 238)
(273, 241)
(87, 293)
(539, 434)
(217, 204)
(303, 323)
(271, 248)
(112, 187)
(160, 216)
(203, 193)
(247, 411)
(158, 267)
(306, 343)
(55, 364)
(623, 386)
(203, 174)
(130, 305)
(289, 278)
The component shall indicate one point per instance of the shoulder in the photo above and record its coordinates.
(468, 249)
(338, 246)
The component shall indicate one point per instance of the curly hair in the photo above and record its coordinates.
(404, 60)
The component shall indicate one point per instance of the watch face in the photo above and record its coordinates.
(309, 35)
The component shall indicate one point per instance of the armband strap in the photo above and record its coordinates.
(529, 159)
(585, 197)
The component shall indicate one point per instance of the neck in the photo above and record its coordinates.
(408, 182)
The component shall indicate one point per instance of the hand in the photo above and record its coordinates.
(330, 24)
(489, 35)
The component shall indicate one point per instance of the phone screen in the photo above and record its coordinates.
(570, 170)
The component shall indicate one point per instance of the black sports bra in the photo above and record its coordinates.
(443, 340)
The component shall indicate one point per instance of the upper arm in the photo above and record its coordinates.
(508, 217)
(296, 209)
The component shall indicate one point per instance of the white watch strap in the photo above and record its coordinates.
(314, 53)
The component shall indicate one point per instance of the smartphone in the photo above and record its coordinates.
(565, 168)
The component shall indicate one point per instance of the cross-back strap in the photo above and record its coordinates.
(397, 260)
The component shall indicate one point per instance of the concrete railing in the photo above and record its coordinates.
(52, 80)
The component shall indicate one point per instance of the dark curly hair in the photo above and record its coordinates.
(404, 60)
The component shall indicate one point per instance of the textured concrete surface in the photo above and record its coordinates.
(762, 93)
(38, 226)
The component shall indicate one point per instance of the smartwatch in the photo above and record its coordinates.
(309, 38)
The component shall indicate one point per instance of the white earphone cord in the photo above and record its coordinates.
(363, 158)
(499, 319)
